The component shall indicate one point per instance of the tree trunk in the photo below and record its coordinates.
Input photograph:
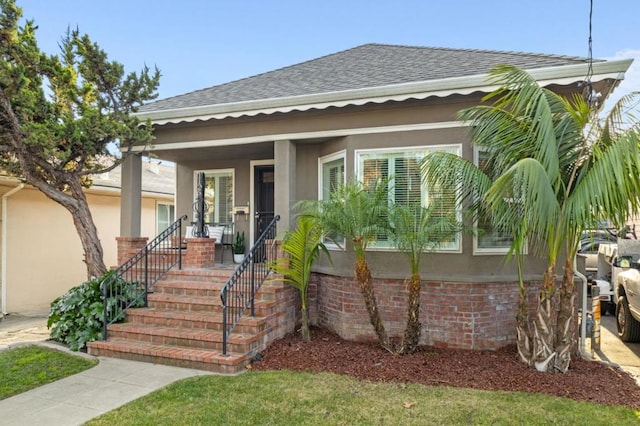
(548, 344)
(304, 310)
(412, 331)
(543, 333)
(545, 345)
(363, 275)
(304, 329)
(82, 219)
(523, 330)
(77, 205)
(567, 322)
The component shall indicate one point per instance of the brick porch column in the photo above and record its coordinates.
(201, 253)
(128, 246)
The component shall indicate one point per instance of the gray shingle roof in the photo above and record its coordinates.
(156, 178)
(366, 66)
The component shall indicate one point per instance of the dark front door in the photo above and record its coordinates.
(264, 193)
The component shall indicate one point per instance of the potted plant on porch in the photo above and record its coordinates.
(238, 248)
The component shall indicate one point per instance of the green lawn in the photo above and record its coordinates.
(28, 367)
(287, 398)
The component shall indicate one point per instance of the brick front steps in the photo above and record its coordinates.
(182, 326)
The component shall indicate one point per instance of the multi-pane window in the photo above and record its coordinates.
(218, 196)
(400, 169)
(165, 216)
(331, 170)
(332, 176)
(489, 239)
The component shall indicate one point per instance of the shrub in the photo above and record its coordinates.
(77, 317)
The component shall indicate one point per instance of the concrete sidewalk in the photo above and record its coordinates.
(615, 352)
(83, 396)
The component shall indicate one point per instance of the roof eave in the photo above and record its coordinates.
(443, 87)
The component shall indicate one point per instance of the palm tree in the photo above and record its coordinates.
(415, 229)
(303, 246)
(552, 172)
(357, 214)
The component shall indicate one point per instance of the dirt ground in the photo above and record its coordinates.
(16, 328)
(591, 381)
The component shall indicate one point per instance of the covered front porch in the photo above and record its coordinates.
(246, 185)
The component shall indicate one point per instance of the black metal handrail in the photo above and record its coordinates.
(238, 294)
(129, 285)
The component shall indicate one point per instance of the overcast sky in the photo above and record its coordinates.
(200, 43)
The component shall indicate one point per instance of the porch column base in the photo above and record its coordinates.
(201, 253)
(128, 246)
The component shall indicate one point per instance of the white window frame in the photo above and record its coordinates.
(453, 148)
(486, 251)
(321, 162)
(216, 172)
(171, 219)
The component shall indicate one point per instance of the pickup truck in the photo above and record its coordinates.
(618, 279)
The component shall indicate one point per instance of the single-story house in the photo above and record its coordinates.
(268, 141)
(42, 255)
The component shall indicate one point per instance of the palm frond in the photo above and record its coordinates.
(531, 108)
(619, 120)
(415, 229)
(352, 211)
(610, 188)
(525, 193)
(455, 175)
(303, 246)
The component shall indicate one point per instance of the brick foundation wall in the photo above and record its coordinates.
(455, 315)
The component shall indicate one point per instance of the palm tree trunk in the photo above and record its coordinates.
(548, 344)
(412, 331)
(363, 275)
(567, 322)
(544, 324)
(523, 330)
(304, 329)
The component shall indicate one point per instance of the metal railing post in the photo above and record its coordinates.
(146, 276)
(224, 327)
(253, 285)
(104, 308)
(180, 244)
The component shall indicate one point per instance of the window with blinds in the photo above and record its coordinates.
(331, 170)
(401, 170)
(218, 196)
(332, 176)
(488, 239)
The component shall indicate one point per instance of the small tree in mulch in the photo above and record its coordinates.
(415, 229)
(358, 214)
(303, 246)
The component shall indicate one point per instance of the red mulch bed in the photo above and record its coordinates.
(492, 370)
